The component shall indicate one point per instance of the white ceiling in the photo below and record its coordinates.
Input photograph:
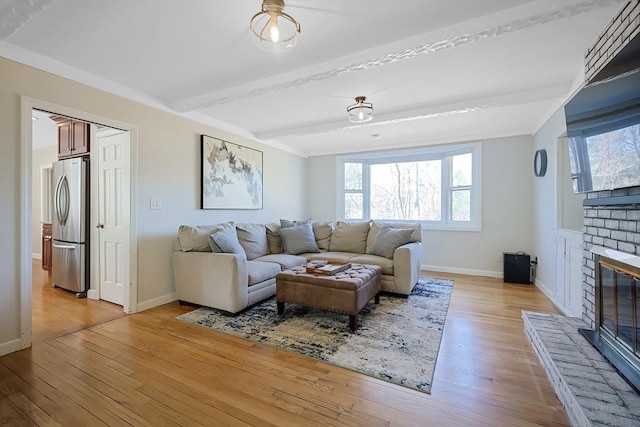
(436, 70)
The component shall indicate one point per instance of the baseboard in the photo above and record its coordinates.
(10, 346)
(92, 294)
(547, 292)
(155, 302)
(36, 256)
(465, 271)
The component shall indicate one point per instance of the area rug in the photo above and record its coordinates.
(396, 341)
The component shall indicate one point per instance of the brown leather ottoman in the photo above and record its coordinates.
(345, 292)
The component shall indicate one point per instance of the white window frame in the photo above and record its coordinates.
(443, 153)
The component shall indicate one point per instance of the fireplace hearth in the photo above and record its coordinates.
(617, 311)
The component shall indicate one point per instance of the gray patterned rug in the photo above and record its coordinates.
(396, 340)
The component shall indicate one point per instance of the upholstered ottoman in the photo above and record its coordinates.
(345, 292)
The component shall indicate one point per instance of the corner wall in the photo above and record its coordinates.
(544, 204)
(168, 169)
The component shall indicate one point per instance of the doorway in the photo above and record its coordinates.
(29, 274)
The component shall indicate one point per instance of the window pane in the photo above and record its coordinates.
(461, 205)
(406, 191)
(461, 169)
(353, 206)
(353, 176)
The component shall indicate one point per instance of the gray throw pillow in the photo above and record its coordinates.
(286, 223)
(226, 241)
(197, 238)
(299, 239)
(388, 240)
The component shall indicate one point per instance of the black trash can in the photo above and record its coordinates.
(517, 268)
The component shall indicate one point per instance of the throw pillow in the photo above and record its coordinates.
(273, 238)
(253, 239)
(322, 231)
(226, 241)
(349, 237)
(299, 239)
(377, 225)
(286, 223)
(196, 238)
(388, 240)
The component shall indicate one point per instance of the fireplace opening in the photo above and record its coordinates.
(617, 314)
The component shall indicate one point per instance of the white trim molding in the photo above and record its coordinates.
(464, 271)
(158, 301)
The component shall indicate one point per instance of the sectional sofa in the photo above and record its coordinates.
(231, 266)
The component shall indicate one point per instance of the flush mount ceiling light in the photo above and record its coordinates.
(275, 30)
(360, 112)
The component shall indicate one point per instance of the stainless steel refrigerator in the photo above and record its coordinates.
(69, 246)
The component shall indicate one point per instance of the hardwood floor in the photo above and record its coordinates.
(150, 369)
(57, 312)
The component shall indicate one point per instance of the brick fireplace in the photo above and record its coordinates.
(611, 278)
(591, 390)
(609, 226)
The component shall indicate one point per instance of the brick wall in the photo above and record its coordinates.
(615, 227)
(624, 27)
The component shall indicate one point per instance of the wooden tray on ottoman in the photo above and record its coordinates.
(328, 269)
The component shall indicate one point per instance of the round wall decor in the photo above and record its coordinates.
(540, 162)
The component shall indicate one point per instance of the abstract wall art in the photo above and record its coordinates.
(231, 175)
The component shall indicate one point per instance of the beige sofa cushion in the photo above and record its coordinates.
(322, 231)
(261, 271)
(385, 263)
(196, 238)
(377, 225)
(286, 261)
(274, 241)
(349, 237)
(339, 257)
(253, 238)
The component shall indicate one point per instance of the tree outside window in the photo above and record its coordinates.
(437, 189)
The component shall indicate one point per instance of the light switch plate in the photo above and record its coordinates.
(155, 204)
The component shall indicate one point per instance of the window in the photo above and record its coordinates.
(439, 188)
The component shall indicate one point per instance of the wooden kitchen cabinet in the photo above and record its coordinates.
(46, 247)
(73, 137)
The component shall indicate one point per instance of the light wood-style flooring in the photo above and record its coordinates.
(151, 369)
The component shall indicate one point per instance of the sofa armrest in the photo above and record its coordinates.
(406, 266)
(211, 279)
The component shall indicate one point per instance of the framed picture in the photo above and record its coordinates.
(231, 175)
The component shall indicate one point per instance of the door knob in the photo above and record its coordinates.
(100, 226)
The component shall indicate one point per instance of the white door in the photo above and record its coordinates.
(113, 214)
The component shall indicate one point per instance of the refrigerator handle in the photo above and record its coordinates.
(65, 187)
(63, 246)
(56, 200)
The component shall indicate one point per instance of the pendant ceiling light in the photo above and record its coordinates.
(361, 111)
(275, 30)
